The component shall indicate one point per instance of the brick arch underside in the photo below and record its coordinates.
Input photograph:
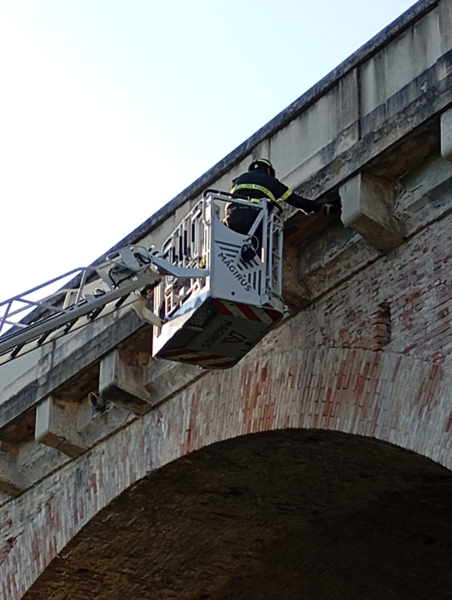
(380, 395)
(288, 514)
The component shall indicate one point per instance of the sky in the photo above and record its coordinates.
(110, 108)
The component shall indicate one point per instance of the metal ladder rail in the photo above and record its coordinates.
(67, 310)
(274, 264)
(7, 310)
(53, 331)
(68, 320)
(278, 255)
(183, 249)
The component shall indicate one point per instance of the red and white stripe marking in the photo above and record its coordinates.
(236, 310)
(198, 358)
(244, 311)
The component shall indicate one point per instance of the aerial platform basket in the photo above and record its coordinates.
(210, 293)
(215, 320)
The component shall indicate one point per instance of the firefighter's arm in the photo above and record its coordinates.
(299, 202)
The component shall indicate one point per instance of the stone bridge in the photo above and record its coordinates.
(319, 467)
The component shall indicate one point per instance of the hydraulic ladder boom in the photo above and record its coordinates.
(211, 293)
(127, 277)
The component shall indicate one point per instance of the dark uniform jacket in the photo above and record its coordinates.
(259, 184)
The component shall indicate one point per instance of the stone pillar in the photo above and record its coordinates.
(12, 482)
(446, 134)
(122, 379)
(56, 426)
(295, 292)
(367, 208)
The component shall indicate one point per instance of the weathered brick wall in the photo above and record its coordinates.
(402, 302)
(370, 357)
(289, 513)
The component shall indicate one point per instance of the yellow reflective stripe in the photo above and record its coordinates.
(264, 160)
(254, 186)
(286, 195)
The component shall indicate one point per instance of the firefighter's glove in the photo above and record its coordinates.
(331, 209)
(333, 205)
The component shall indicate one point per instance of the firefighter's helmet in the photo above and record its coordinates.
(262, 163)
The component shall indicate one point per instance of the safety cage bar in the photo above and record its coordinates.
(191, 245)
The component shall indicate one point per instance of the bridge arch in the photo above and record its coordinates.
(331, 392)
(287, 513)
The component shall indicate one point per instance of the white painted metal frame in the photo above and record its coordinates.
(183, 270)
(124, 279)
(202, 240)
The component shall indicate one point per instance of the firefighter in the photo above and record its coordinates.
(260, 182)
